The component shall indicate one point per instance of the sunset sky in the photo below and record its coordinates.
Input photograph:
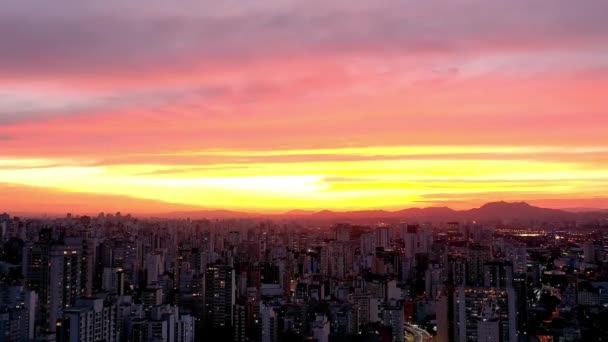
(267, 105)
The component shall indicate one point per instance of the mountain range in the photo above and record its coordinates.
(494, 211)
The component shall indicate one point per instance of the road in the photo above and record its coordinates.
(420, 335)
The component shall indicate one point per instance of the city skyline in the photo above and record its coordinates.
(274, 106)
(314, 171)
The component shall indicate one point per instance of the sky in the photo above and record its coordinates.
(272, 105)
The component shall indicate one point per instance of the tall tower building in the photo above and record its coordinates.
(445, 316)
(589, 251)
(416, 240)
(154, 267)
(365, 310)
(343, 232)
(239, 329)
(498, 274)
(518, 255)
(473, 305)
(269, 323)
(220, 296)
(4, 226)
(367, 244)
(488, 329)
(383, 237)
(479, 255)
(17, 313)
(113, 280)
(53, 270)
(392, 316)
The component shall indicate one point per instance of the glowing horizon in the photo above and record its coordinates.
(274, 106)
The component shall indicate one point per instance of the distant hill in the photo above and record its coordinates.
(584, 210)
(208, 214)
(299, 212)
(495, 211)
(516, 211)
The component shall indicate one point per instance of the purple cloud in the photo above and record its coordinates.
(108, 37)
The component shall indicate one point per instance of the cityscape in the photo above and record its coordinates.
(300, 277)
(315, 171)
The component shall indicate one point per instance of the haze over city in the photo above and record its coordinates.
(271, 106)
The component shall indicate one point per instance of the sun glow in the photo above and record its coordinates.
(393, 177)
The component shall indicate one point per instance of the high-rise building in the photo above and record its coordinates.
(321, 329)
(342, 323)
(5, 220)
(185, 329)
(89, 320)
(113, 280)
(154, 267)
(17, 313)
(518, 255)
(589, 251)
(239, 329)
(126, 312)
(270, 323)
(367, 244)
(168, 325)
(220, 296)
(488, 329)
(365, 310)
(445, 319)
(53, 270)
(392, 316)
(415, 239)
(343, 232)
(87, 257)
(498, 274)
(474, 304)
(383, 237)
(479, 255)
(520, 286)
